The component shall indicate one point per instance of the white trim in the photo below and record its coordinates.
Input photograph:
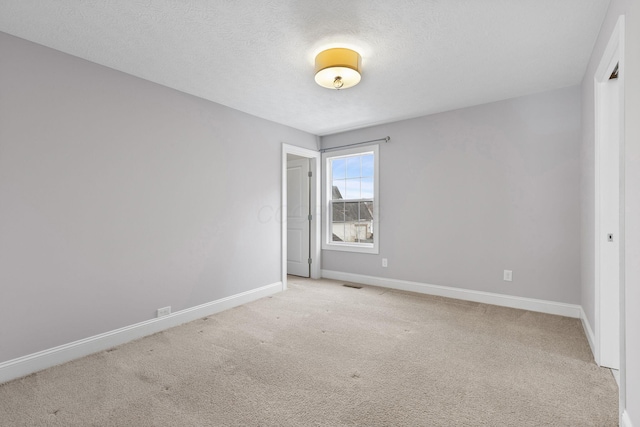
(613, 53)
(625, 421)
(616, 42)
(588, 331)
(31, 363)
(541, 306)
(316, 207)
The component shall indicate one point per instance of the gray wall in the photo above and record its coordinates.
(119, 196)
(630, 363)
(469, 193)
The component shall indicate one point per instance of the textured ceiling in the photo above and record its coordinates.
(418, 56)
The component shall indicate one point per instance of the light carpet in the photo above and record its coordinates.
(321, 354)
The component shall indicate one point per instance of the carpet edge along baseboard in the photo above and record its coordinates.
(35, 362)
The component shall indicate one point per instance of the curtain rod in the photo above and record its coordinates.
(385, 139)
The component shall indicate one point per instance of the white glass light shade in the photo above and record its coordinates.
(338, 68)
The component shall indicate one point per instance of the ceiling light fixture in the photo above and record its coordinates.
(338, 68)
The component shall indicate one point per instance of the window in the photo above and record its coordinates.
(351, 200)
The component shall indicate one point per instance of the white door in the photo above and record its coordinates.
(609, 174)
(298, 217)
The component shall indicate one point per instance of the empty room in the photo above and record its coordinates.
(436, 221)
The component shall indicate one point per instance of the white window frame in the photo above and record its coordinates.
(327, 243)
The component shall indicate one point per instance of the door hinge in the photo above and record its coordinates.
(309, 217)
(310, 174)
(309, 260)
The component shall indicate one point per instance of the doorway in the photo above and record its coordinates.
(609, 188)
(293, 247)
(298, 216)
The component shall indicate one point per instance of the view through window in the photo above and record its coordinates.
(351, 199)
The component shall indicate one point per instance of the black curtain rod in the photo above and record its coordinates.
(385, 139)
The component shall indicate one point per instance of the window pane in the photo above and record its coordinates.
(337, 221)
(366, 222)
(339, 189)
(366, 211)
(349, 233)
(338, 168)
(350, 222)
(338, 232)
(353, 167)
(367, 165)
(353, 222)
(353, 189)
(351, 211)
(366, 186)
(337, 211)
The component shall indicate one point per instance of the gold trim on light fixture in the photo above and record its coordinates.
(338, 68)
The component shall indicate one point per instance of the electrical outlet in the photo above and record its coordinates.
(384, 262)
(164, 311)
(508, 275)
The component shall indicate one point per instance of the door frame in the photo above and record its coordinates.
(314, 227)
(614, 53)
(297, 175)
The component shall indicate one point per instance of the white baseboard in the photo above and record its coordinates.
(31, 363)
(625, 421)
(541, 306)
(588, 331)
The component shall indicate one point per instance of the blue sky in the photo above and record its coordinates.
(353, 175)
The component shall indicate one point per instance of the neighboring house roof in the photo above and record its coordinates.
(336, 193)
(350, 209)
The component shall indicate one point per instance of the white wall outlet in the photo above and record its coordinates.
(164, 311)
(384, 262)
(508, 275)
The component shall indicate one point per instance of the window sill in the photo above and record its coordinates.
(369, 249)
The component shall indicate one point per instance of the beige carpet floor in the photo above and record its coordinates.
(322, 354)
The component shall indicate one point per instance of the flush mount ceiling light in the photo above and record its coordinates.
(338, 68)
